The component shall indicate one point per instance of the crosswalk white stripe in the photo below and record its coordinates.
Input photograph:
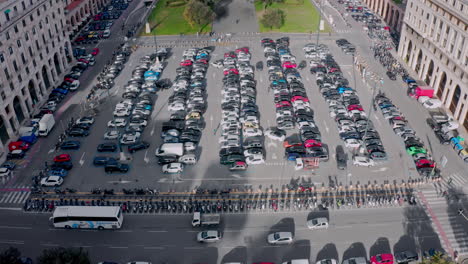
(11, 196)
(15, 198)
(4, 197)
(19, 199)
(26, 197)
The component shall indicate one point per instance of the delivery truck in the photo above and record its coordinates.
(200, 219)
(46, 124)
(167, 149)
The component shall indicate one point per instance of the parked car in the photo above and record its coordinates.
(111, 167)
(138, 146)
(102, 161)
(209, 236)
(107, 147)
(51, 181)
(71, 144)
(279, 238)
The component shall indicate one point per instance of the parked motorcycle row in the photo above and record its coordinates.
(300, 200)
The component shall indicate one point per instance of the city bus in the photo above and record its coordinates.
(92, 217)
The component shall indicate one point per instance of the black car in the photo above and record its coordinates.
(107, 147)
(70, 145)
(138, 146)
(229, 151)
(406, 256)
(259, 65)
(102, 161)
(67, 165)
(16, 154)
(116, 167)
(229, 159)
(167, 159)
(78, 132)
(341, 158)
(391, 75)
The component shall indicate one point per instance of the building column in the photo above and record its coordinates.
(384, 13)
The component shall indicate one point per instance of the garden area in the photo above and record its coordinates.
(298, 16)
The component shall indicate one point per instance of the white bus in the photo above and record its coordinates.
(94, 217)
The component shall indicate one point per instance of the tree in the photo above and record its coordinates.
(10, 256)
(266, 3)
(64, 256)
(198, 13)
(273, 18)
(437, 258)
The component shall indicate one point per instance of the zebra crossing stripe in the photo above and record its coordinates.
(12, 196)
(20, 198)
(4, 197)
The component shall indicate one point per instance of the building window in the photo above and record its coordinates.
(20, 78)
(7, 35)
(31, 18)
(30, 51)
(3, 95)
(16, 28)
(10, 49)
(27, 70)
(12, 87)
(24, 23)
(23, 5)
(47, 20)
(37, 45)
(15, 66)
(18, 42)
(34, 63)
(23, 59)
(34, 30)
(38, 12)
(7, 15)
(2, 58)
(16, 9)
(7, 74)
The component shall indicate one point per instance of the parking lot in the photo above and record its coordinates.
(208, 173)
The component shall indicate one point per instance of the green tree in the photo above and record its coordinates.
(438, 258)
(273, 18)
(64, 256)
(10, 256)
(198, 13)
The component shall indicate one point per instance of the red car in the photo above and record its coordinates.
(18, 145)
(309, 143)
(355, 107)
(95, 51)
(229, 55)
(382, 259)
(234, 71)
(282, 103)
(244, 49)
(334, 70)
(204, 61)
(298, 97)
(425, 163)
(62, 158)
(186, 63)
(83, 60)
(288, 64)
(287, 144)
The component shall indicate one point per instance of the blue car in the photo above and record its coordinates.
(70, 144)
(103, 161)
(60, 91)
(58, 172)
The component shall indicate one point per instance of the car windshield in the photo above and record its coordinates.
(276, 236)
(204, 234)
(326, 261)
(379, 258)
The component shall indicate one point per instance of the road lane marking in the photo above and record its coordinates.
(15, 227)
(82, 159)
(49, 245)
(11, 208)
(118, 247)
(193, 248)
(153, 247)
(157, 231)
(124, 231)
(19, 242)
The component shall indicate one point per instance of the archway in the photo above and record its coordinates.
(45, 77)
(82, 13)
(18, 109)
(3, 132)
(430, 70)
(72, 21)
(455, 99)
(67, 52)
(418, 62)
(441, 87)
(386, 13)
(57, 64)
(408, 51)
(390, 19)
(32, 92)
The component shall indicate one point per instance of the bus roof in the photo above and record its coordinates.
(86, 211)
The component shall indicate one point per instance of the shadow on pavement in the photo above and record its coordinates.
(418, 226)
(328, 251)
(356, 249)
(205, 255)
(381, 246)
(300, 249)
(457, 210)
(238, 254)
(404, 243)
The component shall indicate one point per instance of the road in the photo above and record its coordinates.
(169, 238)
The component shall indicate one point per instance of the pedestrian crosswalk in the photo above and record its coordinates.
(447, 223)
(14, 195)
(455, 180)
(343, 31)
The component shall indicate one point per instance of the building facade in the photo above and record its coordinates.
(391, 11)
(35, 51)
(434, 43)
(78, 12)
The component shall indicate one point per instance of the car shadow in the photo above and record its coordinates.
(381, 246)
(238, 254)
(356, 249)
(300, 249)
(328, 251)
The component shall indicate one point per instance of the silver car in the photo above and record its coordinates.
(209, 236)
(279, 238)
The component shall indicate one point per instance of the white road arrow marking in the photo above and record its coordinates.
(51, 150)
(236, 176)
(82, 159)
(381, 169)
(146, 159)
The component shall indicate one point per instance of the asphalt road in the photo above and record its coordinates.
(170, 239)
(235, 16)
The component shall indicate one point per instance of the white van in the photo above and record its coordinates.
(188, 159)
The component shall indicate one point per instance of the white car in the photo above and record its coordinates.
(327, 261)
(189, 146)
(318, 223)
(353, 143)
(138, 122)
(113, 134)
(130, 138)
(228, 137)
(252, 132)
(279, 238)
(85, 120)
(74, 85)
(255, 159)
(432, 103)
(121, 112)
(118, 122)
(363, 161)
(209, 236)
(176, 107)
(275, 135)
(175, 167)
(4, 172)
(52, 181)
